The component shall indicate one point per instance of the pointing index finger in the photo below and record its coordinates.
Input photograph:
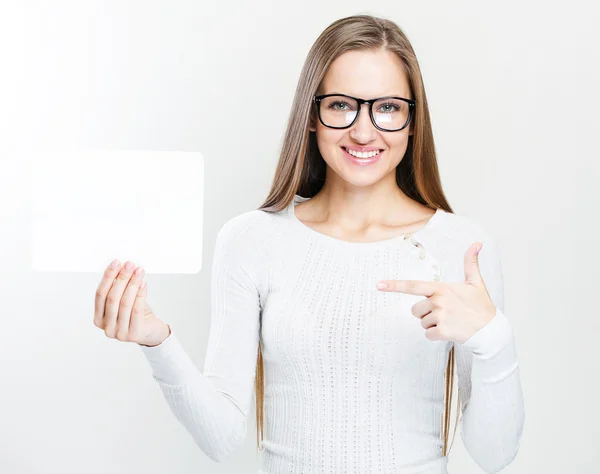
(412, 287)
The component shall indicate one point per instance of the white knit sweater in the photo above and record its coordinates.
(351, 383)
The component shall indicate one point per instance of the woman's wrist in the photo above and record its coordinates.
(163, 335)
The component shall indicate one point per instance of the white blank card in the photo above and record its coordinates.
(91, 206)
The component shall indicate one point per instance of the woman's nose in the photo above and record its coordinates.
(363, 129)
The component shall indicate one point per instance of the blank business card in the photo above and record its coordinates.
(91, 206)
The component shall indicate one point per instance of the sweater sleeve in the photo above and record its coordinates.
(213, 405)
(489, 380)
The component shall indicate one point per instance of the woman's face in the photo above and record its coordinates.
(366, 75)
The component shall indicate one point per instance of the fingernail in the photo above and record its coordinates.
(114, 264)
(382, 285)
(129, 265)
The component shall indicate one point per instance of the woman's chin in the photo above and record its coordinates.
(361, 178)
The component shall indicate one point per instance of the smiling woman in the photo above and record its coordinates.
(349, 378)
(345, 135)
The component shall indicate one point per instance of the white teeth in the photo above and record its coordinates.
(360, 154)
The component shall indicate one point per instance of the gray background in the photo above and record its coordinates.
(514, 101)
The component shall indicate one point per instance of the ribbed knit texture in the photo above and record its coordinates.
(352, 385)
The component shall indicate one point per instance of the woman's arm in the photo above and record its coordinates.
(213, 405)
(489, 380)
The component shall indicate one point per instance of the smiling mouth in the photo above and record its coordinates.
(362, 155)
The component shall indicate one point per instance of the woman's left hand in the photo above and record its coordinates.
(451, 311)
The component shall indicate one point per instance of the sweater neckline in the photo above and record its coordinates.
(356, 245)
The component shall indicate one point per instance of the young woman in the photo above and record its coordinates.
(349, 377)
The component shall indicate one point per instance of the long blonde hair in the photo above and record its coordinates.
(301, 168)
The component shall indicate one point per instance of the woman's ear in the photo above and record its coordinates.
(312, 126)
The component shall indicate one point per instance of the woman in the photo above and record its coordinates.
(348, 377)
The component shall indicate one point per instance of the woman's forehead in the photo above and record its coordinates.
(366, 74)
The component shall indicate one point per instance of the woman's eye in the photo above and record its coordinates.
(388, 108)
(338, 105)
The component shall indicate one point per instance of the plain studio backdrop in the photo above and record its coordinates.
(513, 95)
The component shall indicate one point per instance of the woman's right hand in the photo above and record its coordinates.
(121, 309)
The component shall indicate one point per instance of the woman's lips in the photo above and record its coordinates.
(362, 161)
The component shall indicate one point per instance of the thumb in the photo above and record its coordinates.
(472, 273)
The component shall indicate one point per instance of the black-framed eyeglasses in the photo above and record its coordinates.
(340, 111)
